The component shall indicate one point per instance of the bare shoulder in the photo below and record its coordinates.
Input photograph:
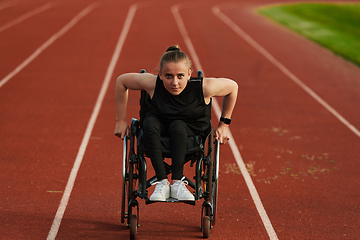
(218, 87)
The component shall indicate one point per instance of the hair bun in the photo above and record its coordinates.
(173, 48)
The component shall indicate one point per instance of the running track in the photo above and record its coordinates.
(291, 171)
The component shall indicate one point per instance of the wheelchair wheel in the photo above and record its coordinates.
(215, 183)
(130, 181)
(132, 178)
(133, 226)
(207, 168)
(208, 187)
(124, 200)
(132, 185)
(214, 202)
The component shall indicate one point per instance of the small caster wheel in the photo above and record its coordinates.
(206, 227)
(133, 226)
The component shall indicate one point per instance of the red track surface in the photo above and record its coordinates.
(303, 161)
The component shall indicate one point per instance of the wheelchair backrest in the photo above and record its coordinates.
(145, 106)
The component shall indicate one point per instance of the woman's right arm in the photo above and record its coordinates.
(133, 81)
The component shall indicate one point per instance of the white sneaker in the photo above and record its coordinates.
(180, 192)
(162, 191)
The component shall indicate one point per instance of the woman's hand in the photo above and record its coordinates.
(122, 129)
(221, 133)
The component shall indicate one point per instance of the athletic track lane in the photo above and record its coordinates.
(305, 175)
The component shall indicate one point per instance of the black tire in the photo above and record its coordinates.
(124, 199)
(130, 192)
(214, 202)
(123, 202)
(133, 226)
(215, 184)
(132, 176)
(206, 227)
(208, 168)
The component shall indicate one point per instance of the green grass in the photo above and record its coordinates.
(334, 26)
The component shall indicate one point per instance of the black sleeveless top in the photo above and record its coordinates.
(188, 106)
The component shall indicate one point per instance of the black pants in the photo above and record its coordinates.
(177, 131)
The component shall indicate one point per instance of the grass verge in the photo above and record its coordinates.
(335, 26)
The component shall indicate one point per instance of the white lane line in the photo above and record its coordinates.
(26, 16)
(50, 41)
(217, 12)
(253, 192)
(69, 186)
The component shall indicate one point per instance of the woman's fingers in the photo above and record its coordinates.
(122, 130)
(221, 135)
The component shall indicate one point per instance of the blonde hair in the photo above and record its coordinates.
(174, 54)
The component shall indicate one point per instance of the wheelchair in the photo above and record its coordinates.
(202, 151)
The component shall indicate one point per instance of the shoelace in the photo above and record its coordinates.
(182, 186)
(159, 185)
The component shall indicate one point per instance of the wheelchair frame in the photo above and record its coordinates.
(135, 182)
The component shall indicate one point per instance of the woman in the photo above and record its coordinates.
(181, 110)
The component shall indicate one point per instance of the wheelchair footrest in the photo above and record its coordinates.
(170, 200)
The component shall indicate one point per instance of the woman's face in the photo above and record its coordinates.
(175, 76)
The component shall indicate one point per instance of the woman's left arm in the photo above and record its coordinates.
(228, 89)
